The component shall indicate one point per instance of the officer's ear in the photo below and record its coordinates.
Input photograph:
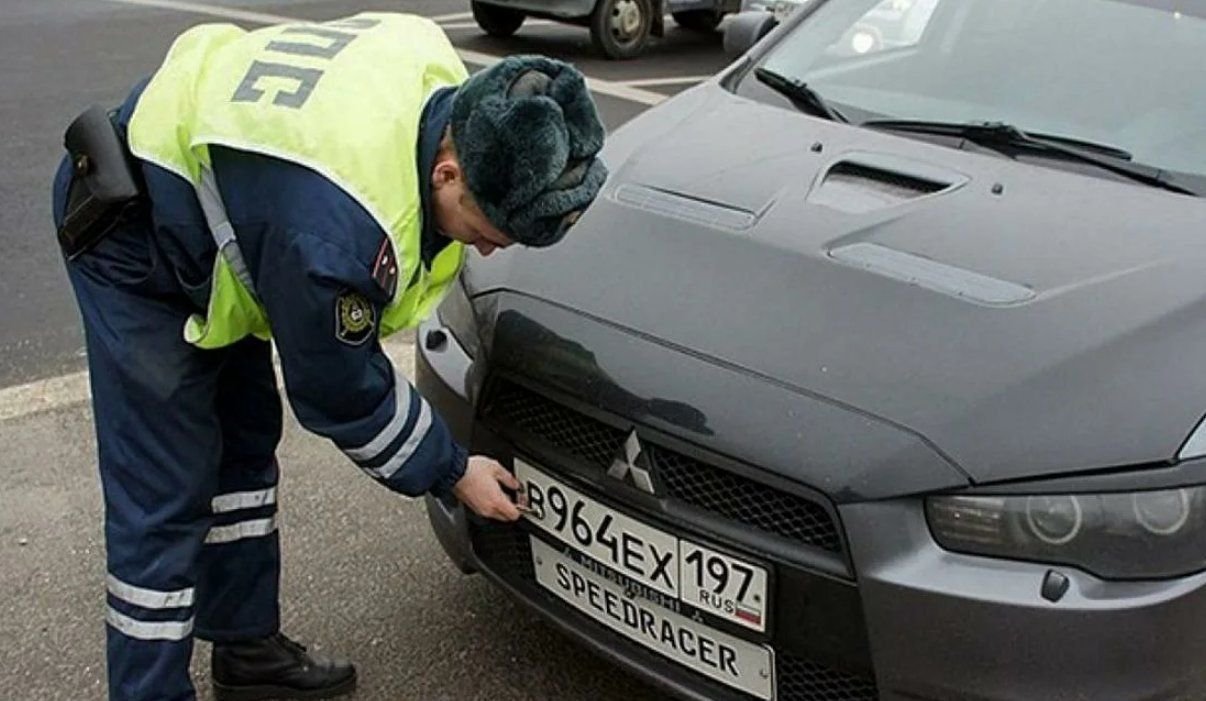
(447, 168)
(446, 172)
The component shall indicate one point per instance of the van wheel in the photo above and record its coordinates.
(495, 20)
(698, 20)
(620, 28)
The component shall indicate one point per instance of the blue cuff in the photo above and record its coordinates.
(460, 461)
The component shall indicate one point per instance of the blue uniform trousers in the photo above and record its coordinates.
(186, 441)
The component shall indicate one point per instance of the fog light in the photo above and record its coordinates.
(1055, 520)
(1162, 513)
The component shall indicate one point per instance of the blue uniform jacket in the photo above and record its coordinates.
(306, 243)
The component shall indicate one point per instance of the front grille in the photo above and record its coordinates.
(744, 500)
(591, 440)
(507, 552)
(803, 680)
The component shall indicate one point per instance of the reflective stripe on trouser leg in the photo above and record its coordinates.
(238, 583)
(159, 445)
(139, 614)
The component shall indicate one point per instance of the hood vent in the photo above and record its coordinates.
(691, 209)
(933, 275)
(855, 187)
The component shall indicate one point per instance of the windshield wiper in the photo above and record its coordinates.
(999, 131)
(799, 93)
(1103, 156)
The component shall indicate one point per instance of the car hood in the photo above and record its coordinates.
(1009, 320)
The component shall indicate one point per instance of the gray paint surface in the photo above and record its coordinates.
(1076, 345)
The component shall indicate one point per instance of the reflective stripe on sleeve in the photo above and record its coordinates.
(422, 426)
(381, 441)
(148, 630)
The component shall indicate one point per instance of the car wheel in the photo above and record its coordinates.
(698, 20)
(620, 28)
(495, 20)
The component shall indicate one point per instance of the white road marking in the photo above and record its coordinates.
(597, 85)
(211, 10)
(43, 395)
(672, 80)
(473, 25)
(454, 17)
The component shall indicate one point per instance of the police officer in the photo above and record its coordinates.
(319, 184)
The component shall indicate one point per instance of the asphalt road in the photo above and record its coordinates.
(363, 575)
(58, 56)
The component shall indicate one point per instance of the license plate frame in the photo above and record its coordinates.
(633, 533)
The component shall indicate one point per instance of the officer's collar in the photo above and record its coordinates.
(432, 125)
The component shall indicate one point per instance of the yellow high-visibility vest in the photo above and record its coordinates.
(342, 98)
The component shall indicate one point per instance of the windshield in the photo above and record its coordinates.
(1127, 73)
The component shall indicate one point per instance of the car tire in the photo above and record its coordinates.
(495, 20)
(620, 28)
(703, 21)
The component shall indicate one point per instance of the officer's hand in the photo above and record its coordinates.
(479, 489)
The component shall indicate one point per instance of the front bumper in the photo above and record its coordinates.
(918, 623)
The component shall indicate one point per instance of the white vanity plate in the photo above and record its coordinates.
(727, 659)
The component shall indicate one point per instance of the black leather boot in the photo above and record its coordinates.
(276, 668)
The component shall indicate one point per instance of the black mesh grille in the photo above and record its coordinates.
(744, 500)
(508, 553)
(568, 430)
(804, 680)
(690, 481)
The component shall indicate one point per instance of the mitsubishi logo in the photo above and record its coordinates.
(625, 468)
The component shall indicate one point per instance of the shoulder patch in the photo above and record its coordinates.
(355, 319)
(385, 268)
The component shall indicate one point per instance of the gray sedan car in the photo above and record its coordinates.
(872, 374)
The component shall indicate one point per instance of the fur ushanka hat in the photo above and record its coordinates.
(527, 135)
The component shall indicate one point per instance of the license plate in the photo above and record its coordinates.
(727, 659)
(724, 586)
(721, 585)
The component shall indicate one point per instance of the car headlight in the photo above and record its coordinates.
(1137, 535)
(456, 314)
